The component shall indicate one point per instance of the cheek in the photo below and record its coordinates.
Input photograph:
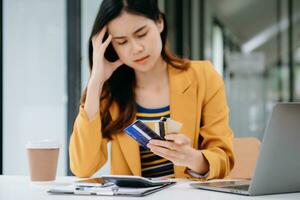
(155, 44)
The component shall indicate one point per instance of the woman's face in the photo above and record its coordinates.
(136, 39)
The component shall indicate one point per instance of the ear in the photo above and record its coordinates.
(160, 24)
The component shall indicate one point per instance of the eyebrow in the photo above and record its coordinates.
(136, 31)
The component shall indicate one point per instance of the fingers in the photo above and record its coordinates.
(102, 33)
(165, 144)
(98, 45)
(165, 153)
(97, 39)
(106, 42)
(117, 63)
(180, 139)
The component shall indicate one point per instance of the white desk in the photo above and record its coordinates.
(20, 187)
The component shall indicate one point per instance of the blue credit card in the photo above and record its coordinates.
(141, 133)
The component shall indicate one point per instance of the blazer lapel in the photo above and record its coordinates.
(183, 104)
(131, 153)
(130, 148)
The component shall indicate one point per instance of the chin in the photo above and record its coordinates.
(142, 67)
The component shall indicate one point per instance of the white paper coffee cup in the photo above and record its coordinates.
(43, 158)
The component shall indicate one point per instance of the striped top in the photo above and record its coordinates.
(153, 165)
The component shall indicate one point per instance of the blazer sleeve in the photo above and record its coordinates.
(88, 150)
(217, 143)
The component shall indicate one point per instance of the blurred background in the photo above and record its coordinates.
(253, 44)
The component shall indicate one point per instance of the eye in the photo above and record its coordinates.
(122, 42)
(142, 35)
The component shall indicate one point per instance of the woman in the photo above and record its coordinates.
(133, 75)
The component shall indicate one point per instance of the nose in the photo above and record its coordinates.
(136, 46)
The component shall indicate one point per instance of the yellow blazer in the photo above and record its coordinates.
(197, 99)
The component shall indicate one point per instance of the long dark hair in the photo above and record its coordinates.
(114, 92)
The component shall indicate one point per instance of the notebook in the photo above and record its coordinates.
(278, 164)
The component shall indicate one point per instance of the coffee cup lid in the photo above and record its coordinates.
(43, 144)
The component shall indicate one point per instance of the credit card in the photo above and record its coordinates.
(140, 132)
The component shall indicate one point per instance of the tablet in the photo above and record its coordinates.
(135, 181)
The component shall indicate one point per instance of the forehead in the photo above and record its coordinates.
(127, 23)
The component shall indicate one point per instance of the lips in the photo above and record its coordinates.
(141, 60)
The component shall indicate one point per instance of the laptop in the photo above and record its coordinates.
(277, 169)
